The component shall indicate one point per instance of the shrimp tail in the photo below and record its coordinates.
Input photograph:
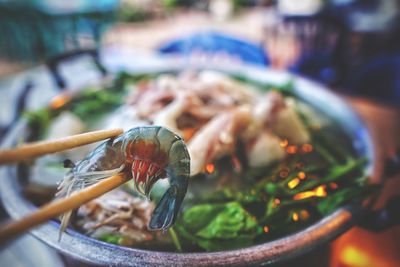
(75, 182)
(167, 209)
(65, 189)
(65, 218)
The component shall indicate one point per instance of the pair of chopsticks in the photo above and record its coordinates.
(13, 229)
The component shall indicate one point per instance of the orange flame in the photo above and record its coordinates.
(353, 256)
(303, 195)
(295, 216)
(276, 203)
(59, 100)
(301, 175)
(304, 215)
(319, 191)
(284, 143)
(292, 149)
(210, 168)
(333, 186)
(307, 148)
(293, 183)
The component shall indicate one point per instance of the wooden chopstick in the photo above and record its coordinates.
(32, 150)
(11, 230)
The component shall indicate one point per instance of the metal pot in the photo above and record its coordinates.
(92, 251)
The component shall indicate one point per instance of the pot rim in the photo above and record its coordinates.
(91, 250)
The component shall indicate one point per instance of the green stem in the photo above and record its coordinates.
(309, 169)
(335, 173)
(322, 151)
(282, 206)
(175, 239)
(269, 209)
(336, 150)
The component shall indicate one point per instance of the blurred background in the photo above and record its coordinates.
(351, 46)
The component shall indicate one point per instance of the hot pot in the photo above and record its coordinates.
(96, 252)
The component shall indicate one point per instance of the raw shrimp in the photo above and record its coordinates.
(146, 153)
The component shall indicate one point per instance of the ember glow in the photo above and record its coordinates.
(210, 168)
(333, 185)
(352, 256)
(304, 195)
(284, 143)
(319, 191)
(301, 175)
(306, 148)
(292, 149)
(362, 248)
(276, 203)
(59, 101)
(293, 183)
(295, 216)
(283, 173)
(304, 215)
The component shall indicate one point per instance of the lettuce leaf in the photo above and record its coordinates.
(219, 226)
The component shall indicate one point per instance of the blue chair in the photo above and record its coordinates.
(213, 42)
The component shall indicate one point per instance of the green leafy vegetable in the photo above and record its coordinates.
(89, 105)
(333, 201)
(219, 227)
(111, 238)
(39, 120)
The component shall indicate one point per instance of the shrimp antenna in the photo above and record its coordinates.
(13, 229)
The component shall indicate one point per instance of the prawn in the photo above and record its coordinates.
(147, 154)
